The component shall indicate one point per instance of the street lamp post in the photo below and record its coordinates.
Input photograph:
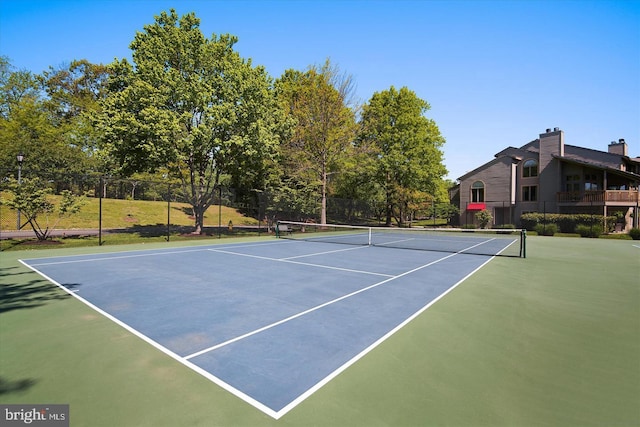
(20, 158)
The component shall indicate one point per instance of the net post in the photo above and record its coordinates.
(370, 236)
(523, 243)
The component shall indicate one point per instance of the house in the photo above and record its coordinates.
(548, 176)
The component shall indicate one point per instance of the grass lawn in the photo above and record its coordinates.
(553, 340)
(118, 213)
(136, 222)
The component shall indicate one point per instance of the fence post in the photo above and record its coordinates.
(100, 191)
(168, 212)
(544, 217)
(220, 212)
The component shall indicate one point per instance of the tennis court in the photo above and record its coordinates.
(271, 322)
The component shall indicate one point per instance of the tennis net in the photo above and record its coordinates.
(493, 242)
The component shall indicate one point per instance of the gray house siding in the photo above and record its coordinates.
(497, 177)
(568, 179)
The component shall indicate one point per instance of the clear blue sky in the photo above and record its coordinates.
(496, 73)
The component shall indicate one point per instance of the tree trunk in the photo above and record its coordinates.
(389, 208)
(198, 212)
(323, 205)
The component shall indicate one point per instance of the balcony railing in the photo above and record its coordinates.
(621, 196)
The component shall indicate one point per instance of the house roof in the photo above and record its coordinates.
(601, 166)
(595, 157)
(574, 154)
(490, 163)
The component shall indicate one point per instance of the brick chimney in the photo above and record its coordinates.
(620, 148)
(549, 171)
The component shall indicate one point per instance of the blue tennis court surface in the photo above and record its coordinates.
(269, 321)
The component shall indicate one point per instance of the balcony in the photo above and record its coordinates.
(608, 197)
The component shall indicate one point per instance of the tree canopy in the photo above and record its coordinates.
(189, 110)
(191, 105)
(404, 147)
(324, 126)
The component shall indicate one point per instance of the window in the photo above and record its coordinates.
(572, 183)
(530, 193)
(530, 168)
(477, 192)
(591, 182)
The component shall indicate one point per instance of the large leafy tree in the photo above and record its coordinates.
(191, 105)
(404, 147)
(27, 125)
(318, 102)
(73, 95)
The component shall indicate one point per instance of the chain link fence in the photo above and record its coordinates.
(115, 205)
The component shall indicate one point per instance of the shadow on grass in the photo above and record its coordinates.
(17, 386)
(134, 234)
(31, 294)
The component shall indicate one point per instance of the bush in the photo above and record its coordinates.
(635, 233)
(546, 229)
(588, 230)
(567, 223)
(484, 218)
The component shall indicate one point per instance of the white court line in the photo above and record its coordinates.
(326, 252)
(288, 260)
(302, 313)
(163, 349)
(393, 242)
(312, 309)
(258, 405)
(636, 246)
(134, 254)
(364, 352)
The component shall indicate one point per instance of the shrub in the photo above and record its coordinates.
(546, 229)
(635, 233)
(567, 223)
(484, 218)
(588, 230)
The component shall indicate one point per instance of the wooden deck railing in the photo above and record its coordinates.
(625, 196)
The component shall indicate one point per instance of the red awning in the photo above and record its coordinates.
(476, 206)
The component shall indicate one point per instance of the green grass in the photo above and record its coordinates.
(549, 340)
(117, 213)
(138, 221)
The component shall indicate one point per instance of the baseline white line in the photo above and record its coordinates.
(312, 309)
(241, 395)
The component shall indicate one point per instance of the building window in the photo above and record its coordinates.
(530, 168)
(591, 182)
(572, 183)
(530, 193)
(477, 192)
